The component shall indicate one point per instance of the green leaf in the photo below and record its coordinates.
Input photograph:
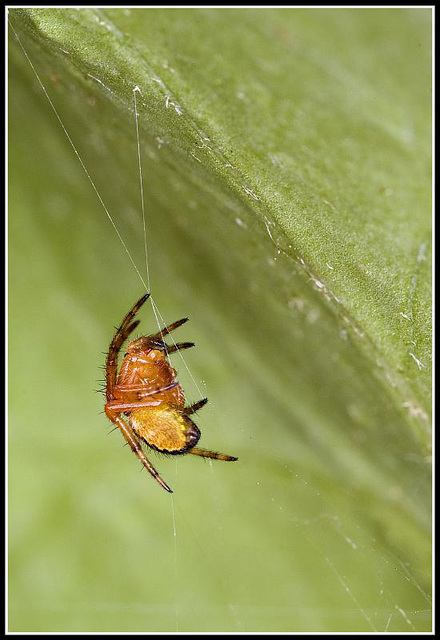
(285, 157)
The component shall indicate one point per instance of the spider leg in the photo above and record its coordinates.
(127, 326)
(121, 392)
(142, 389)
(195, 407)
(118, 406)
(135, 308)
(196, 451)
(166, 330)
(136, 448)
(132, 327)
(178, 347)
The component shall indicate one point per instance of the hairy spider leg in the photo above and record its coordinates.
(197, 451)
(195, 407)
(117, 405)
(126, 328)
(120, 406)
(179, 346)
(136, 447)
(166, 330)
(204, 453)
(128, 389)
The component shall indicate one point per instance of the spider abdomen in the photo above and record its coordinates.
(165, 429)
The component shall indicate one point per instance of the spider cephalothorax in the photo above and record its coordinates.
(146, 391)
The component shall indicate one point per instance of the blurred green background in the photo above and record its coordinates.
(286, 162)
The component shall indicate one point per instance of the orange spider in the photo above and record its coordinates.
(146, 391)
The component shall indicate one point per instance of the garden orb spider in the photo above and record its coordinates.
(146, 391)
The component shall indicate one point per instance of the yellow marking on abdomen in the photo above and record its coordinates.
(163, 428)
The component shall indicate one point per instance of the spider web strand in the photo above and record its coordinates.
(78, 155)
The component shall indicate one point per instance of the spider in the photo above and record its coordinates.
(146, 391)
